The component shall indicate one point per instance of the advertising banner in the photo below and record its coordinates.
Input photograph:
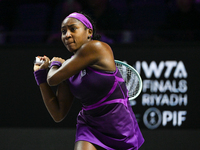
(169, 97)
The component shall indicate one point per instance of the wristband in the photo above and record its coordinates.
(40, 76)
(56, 63)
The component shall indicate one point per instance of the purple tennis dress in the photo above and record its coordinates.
(106, 118)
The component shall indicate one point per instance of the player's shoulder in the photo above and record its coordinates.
(95, 45)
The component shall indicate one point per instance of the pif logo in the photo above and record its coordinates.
(153, 118)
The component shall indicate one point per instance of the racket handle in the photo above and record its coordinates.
(38, 61)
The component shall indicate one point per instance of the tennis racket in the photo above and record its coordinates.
(131, 77)
(37, 61)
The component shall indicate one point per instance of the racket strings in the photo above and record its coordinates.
(131, 79)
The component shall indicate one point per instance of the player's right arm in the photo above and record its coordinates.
(57, 104)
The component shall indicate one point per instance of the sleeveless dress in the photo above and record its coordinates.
(106, 118)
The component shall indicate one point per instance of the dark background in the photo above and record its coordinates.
(137, 30)
(26, 124)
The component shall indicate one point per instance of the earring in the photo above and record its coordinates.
(89, 37)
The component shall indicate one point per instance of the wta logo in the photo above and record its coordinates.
(167, 68)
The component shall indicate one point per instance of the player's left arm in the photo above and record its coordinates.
(87, 55)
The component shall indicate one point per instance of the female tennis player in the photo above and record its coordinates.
(106, 120)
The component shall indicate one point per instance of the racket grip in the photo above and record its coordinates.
(38, 61)
(40, 76)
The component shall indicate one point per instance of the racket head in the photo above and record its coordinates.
(131, 77)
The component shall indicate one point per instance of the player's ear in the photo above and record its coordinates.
(90, 32)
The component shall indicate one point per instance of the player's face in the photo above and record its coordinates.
(74, 34)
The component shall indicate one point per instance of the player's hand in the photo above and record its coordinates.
(44, 65)
(58, 59)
